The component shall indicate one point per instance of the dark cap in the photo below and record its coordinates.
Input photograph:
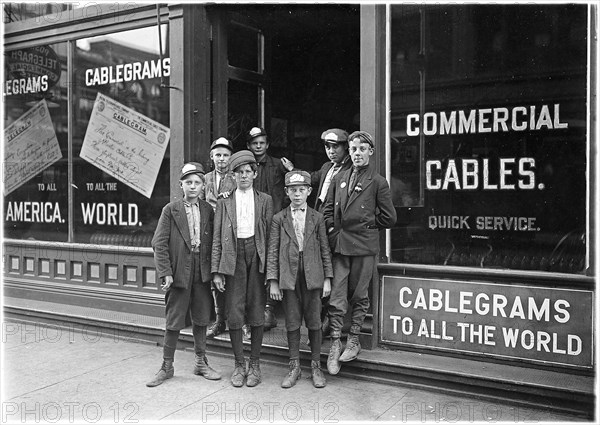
(297, 178)
(191, 168)
(221, 142)
(335, 135)
(363, 136)
(241, 158)
(255, 132)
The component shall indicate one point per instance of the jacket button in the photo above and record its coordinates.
(226, 238)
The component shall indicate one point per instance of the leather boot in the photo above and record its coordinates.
(254, 377)
(333, 363)
(352, 349)
(270, 319)
(318, 378)
(166, 372)
(239, 374)
(201, 367)
(293, 375)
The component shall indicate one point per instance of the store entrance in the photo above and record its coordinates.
(294, 70)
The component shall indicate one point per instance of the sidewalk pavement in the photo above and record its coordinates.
(62, 375)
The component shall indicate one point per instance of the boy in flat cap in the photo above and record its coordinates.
(269, 179)
(299, 272)
(358, 205)
(336, 148)
(335, 141)
(239, 257)
(220, 183)
(182, 246)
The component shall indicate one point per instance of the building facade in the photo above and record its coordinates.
(484, 118)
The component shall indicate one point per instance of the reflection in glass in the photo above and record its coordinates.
(36, 146)
(491, 102)
(126, 67)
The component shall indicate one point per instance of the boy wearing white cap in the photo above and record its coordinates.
(182, 246)
(240, 237)
(299, 272)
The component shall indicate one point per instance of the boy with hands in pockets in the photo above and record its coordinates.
(299, 272)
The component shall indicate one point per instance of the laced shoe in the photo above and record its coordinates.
(270, 319)
(333, 363)
(293, 375)
(239, 374)
(166, 372)
(215, 329)
(318, 378)
(202, 368)
(254, 377)
(352, 349)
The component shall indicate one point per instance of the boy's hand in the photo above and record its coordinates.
(275, 292)
(224, 195)
(287, 164)
(167, 282)
(219, 282)
(326, 287)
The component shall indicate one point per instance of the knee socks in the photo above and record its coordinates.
(170, 344)
(199, 340)
(256, 341)
(315, 338)
(294, 344)
(237, 344)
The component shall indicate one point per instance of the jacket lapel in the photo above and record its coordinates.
(181, 222)
(309, 225)
(344, 182)
(288, 225)
(365, 181)
(230, 208)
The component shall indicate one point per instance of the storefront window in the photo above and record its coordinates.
(488, 126)
(35, 173)
(120, 137)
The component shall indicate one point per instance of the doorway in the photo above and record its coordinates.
(292, 69)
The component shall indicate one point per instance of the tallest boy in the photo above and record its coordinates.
(358, 205)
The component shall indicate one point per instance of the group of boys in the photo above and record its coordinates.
(243, 238)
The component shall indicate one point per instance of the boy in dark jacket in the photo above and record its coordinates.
(299, 272)
(239, 257)
(358, 205)
(182, 245)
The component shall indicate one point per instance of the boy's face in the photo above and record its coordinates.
(244, 176)
(360, 152)
(298, 194)
(336, 152)
(220, 157)
(192, 186)
(258, 146)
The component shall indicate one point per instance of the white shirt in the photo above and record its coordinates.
(327, 182)
(299, 219)
(244, 211)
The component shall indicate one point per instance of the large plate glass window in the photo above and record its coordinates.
(120, 136)
(488, 126)
(35, 168)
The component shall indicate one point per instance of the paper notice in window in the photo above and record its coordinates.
(125, 144)
(30, 146)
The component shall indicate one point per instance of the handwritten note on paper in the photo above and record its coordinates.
(125, 144)
(30, 146)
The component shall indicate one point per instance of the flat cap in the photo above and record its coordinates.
(297, 178)
(335, 135)
(363, 137)
(241, 158)
(221, 142)
(255, 132)
(191, 168)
